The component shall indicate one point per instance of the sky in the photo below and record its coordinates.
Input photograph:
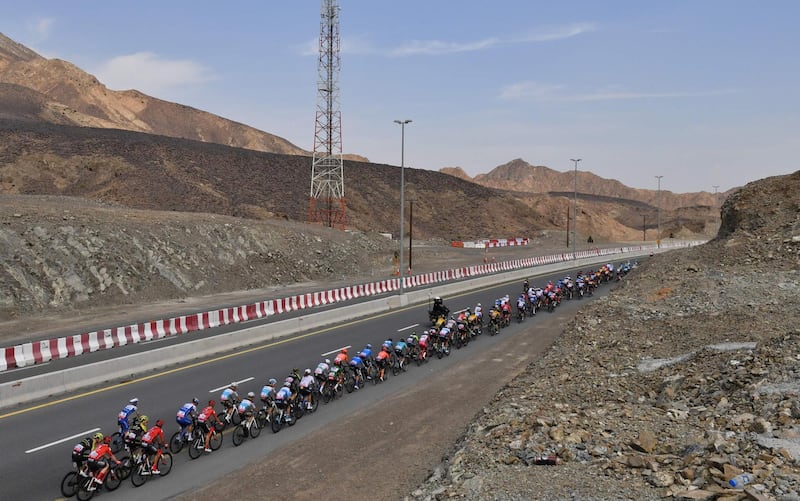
(705, 93)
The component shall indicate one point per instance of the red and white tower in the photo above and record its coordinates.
(327, 203)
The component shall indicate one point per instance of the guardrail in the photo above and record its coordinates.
(35, 352)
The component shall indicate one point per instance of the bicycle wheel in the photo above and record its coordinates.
(165, 464)
(113, 479)
(117, 442)
(396, 368)
(255, 429)
(215, 442)
(277, 421)
(140, 474)
(238, 435)
(125, 468)
(327, 394)
(83, 493)
(176, 443)
(299, 407)
(196, 448)
(69, 484)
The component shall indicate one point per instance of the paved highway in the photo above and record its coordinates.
(38, 439)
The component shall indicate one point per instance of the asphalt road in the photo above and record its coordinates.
(38, 440)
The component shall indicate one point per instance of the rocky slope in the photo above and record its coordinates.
(60, 92)
(683, 377)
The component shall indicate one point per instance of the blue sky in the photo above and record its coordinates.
(703, 92)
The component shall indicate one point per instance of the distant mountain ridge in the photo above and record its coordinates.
(520, 176)
(59, 92)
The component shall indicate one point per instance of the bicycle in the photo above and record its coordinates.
(143, 469)
(182, 437)
(86, 487)
(249, 427)
(198, 446)
(229, 415)
(282, 414)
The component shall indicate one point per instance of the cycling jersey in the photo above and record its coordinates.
(283, 395)
(246, 406)
(341, 358)
(423, 341)
(124, 414)
(205, 415)
(383, 356)
(154, 435)
(185, 414)
(356, 362)
(228, 394)
(445, 332)
(367, 352)
(267, 392)
(100, 452)
(401, 346)
(321, 369)
(307, 382)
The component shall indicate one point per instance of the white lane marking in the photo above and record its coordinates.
(406, 328)
(45, 446)
(337, 350)
(159, 339)
(237, 382)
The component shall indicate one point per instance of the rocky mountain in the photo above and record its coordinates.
(45, 102)
(56, 91)
(518, 175)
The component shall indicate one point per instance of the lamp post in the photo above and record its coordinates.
(658, 237)
(575, 213)
(402, 190)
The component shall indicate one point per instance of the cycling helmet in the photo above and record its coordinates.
(288, 380)
(410, 340)
(232, 386)
(107, 440)
(134, 401)
(144, 419)
(478, 304)
(287, 384)
(251, 395)
(337, 362)
(97, 437)
(307, 372)
(211, 403)
(369, 346)
(344, 351)
(195, 401)
(159, 423)
(273, 381)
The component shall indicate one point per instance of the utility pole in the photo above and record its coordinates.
(575, 215)
(644, 227)
(658, 237)
(327, 203)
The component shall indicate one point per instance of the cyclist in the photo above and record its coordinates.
(341, 357)
(129, 411)
(401, 350)
(206, 419)
(479, 313)
(423, 345)
(307, 387)
(186, 417)
(283, 398)
(98, 464)
(247, 408)
(81, 451)
(383, 361)
(153, 441)
(229, 399)
(357, 366)
(133, 437)
(268, 393)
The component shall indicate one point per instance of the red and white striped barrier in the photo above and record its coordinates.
(35, 352)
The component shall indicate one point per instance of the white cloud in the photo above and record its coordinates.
(536, 91)
(359, 45)
(147, 72)
(557, 33)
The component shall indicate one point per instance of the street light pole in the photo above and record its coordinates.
(658, 237)
(575, 213)
(402, 191)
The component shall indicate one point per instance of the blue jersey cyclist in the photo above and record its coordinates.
(127, 413)
(401, 347)
(186, 416)
(389, 344)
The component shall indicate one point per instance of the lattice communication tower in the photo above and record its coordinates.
(327, 203)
